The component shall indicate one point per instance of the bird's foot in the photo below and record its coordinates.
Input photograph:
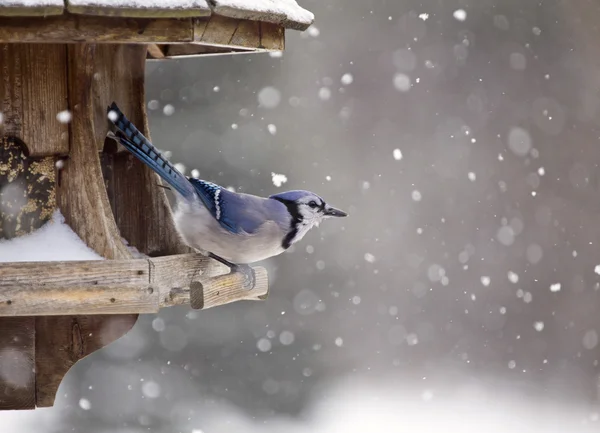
(248, 272)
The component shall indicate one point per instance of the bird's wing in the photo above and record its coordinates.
(235, 212)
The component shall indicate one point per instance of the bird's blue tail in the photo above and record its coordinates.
(135, 142)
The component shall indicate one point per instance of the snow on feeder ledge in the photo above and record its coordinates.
(62, 64)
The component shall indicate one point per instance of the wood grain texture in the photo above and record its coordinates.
(61, 343)
(44, 300)
(94, 29)
(230, 32)
(81, 193)
(212, 31)
(224, 289)
(140, 206)
(82, 197)
(17, 366)
(272, 37)
(247, 34)
(73, 273)
(43, 8)
(33, 90)
(120, 286)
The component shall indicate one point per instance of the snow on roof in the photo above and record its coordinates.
(31, 7)
(140, 8)
(283, 12)
(54, 241)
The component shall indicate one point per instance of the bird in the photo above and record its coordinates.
(235, 229)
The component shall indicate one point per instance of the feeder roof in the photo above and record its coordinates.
(285, 13)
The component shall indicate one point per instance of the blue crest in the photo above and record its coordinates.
(294, 195)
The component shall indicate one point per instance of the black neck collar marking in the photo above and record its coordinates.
(297, 219)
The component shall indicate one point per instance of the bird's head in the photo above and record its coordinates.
(307, 210)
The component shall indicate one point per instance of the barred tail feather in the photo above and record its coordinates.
(135, 142)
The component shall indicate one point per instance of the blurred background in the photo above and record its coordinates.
(462, 292)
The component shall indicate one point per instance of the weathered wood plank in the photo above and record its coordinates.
(140, 206)
(120, 286)
(20, 8)
(140, 8)
(62, 341)
(69, 274)
(17, 366)
(222, 31)
(224, 289)
(33, 91)
(84, 28)
(81, 194)
(247, 34)
(82, 197)
(218, 30)
(272, 37)
(44, 300)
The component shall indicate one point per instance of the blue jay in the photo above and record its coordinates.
(232, 228)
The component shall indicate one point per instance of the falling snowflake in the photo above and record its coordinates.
(347, 79)
(555, 287)
(485, 281)
(180, 168)
(397, 154)
(460, 14)
(424, 16)
(64, 116)
(313, 31)
(168, 110)
(112, 116)
(278, 179)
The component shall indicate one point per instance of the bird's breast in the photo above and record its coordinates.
(200, 230)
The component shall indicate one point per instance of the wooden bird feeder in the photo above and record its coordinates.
(80, 55)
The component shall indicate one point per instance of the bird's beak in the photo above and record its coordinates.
(333, 212)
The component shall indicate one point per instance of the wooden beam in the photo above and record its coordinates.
(231, 32)
(94, 29)
(120, 286)
(213, 31)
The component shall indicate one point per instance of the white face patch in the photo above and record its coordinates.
(311, 217)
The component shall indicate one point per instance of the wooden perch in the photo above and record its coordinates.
(120, 286)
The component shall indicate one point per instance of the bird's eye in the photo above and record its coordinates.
(312, 203)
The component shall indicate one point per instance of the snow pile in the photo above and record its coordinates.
(55, 241)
